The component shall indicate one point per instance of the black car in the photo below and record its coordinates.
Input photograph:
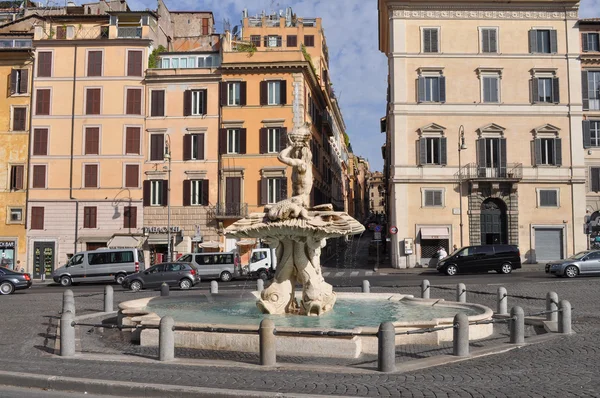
(12, 280)
(500, 258)
(183, 275)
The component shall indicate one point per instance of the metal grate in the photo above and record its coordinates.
(429, 247)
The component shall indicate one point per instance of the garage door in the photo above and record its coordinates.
(548, 244)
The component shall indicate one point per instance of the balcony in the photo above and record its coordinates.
(129, 32)
(231, 210)
(327, 123)
(15, 43)
(508, 172)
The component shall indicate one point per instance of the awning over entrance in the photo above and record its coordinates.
(210, 245)
(126, 241)
(435, 233)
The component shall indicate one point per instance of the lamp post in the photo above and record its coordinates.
(461, 146)
(167, 157)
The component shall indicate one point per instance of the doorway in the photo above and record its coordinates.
(43, 259)
(493, 222)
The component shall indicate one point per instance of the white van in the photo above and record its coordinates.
(100, 265)
(263, 263)
(212, 265)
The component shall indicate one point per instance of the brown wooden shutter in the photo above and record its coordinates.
(134, 101)
(204, 26)
(132, 172)
(42, 102)
(37, 217)
(309, 40)
(132, 140)
(264, 140)
(165, 192)
(19, 119)
(92, 140)
(91, 176)
(89, 217)
(264, 93)
(44, 64)
(242, 141)
(40, 142)
(187, 147)
(92, 105)
(39, 176)
(17, 177)
(187, 192)
(61, 32)
(24, 82)
(283, 138)
(255, 39)
(222, 141)
(204, 197)
(223, 93)
(204, 96)
(157, 147)
(283, 92)
(130, 217)
(243, 93)
(264, 191)
(146, 189)
(13, 81)
(134, 63)
(595, 179)
(187, 102)
(94, 63)
(292, 41)
(157, 103)
(283, 192)
(200, 144)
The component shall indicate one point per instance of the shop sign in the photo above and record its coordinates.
(161, 230)
(7, 244)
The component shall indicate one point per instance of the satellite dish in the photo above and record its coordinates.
(235, 31)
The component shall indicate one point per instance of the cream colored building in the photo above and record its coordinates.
(484, 127)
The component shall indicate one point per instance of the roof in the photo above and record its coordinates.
(191, 12)
(589, 21)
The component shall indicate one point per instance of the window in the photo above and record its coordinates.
(542, 41)
(61, 32)
(156, 193)
(548, 151)
(205, 26)
(590, 81)
(233, 141)
(37, 217)
(292, 41)
(134, 63)
(39, 176)
(591, 133)
(92, 141)
(431, 40)
(309, 40)
(548, 197)
(92, 101)
(16, 215)
(132, 140)
(491, 88)
(94, 66)
(432, 88)
(157, 107)
(545, 90)
(194, 102)
(594, 185)
(274, 90)
(134, 101)
(273, 189)
(90, 178)
(433, 198)
(89, 217)
(129, 217)
(19, 122)
(198, 193)
(40, 142)
(19, 81)
(157, 147)
(193, 147)
(42, 101)
(16, 177)
(44, 66)
(433, 150)
(489, 40)
(272, 41)
(273, 140)
(132, 172)
(590, 42)
(255, 40)
(233, 93)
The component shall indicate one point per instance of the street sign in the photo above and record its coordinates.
(378, 228)
(393, 230)
(377, 236)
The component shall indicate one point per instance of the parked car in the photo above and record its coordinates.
(583, 263)
(11, 280)
(500, 258)
(100, 265)
(213, 265)
(262, 265)
(183, 275)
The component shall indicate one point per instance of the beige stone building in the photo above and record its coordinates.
(376, 193)
(484, 127)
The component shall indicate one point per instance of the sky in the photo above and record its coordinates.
(358, 69)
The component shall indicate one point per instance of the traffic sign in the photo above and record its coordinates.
(378, 228)
(393, 230)
(377, 236)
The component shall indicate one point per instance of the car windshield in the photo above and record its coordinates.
(578, 256)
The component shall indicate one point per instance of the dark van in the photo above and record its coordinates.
(500, 258)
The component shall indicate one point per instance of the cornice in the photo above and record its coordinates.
(490, 12)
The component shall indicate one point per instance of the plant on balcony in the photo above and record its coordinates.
(51, 33)
(153, 59)
(250, 48)
(309, 59)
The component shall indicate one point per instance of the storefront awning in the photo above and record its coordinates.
(245, 242)
(126, 241)
(210, 245)
(435, 233)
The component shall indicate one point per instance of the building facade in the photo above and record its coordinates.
(376, 193)
(484, 127)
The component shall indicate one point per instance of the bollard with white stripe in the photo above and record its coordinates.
(108, 298)
(214, 287)
(67, 334)
(461, 293)
(517, 325)
(552, 307)
(502, 308)
(166, 339)
(425, 288)
(460, 335)
(564, 319)
(366, 286)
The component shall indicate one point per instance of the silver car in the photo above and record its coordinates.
(583, 263)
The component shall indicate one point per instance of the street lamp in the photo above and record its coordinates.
(167, 157)
(461, 147)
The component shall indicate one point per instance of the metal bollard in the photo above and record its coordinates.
(461, 293)
(460, 335)
(166, 339)
(214, 287)
(366, 286)
(517, 325)
(502, 308)
(260, 285)
(425, 288)
(552, 305)
(164, 289)
(267, 343)
(108, 298)
(564, 320)
(67, 334)
(386, 353)
(68, 301)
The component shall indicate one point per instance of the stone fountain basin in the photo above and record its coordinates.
(135, 312)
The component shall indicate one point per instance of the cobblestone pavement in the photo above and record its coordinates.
(566, 366)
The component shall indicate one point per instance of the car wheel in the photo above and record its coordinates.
(65, 281)
(571, 271)
(6, 288)
(225, 276)
(135, 286)
(506, 268)
(120, 278)
(264, 275)
(451, 270)
(185, 284)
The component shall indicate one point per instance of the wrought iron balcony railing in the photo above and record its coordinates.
(509, 171)
(231, 210)
(129, 32)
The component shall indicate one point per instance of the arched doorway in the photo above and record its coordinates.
(493, 222)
